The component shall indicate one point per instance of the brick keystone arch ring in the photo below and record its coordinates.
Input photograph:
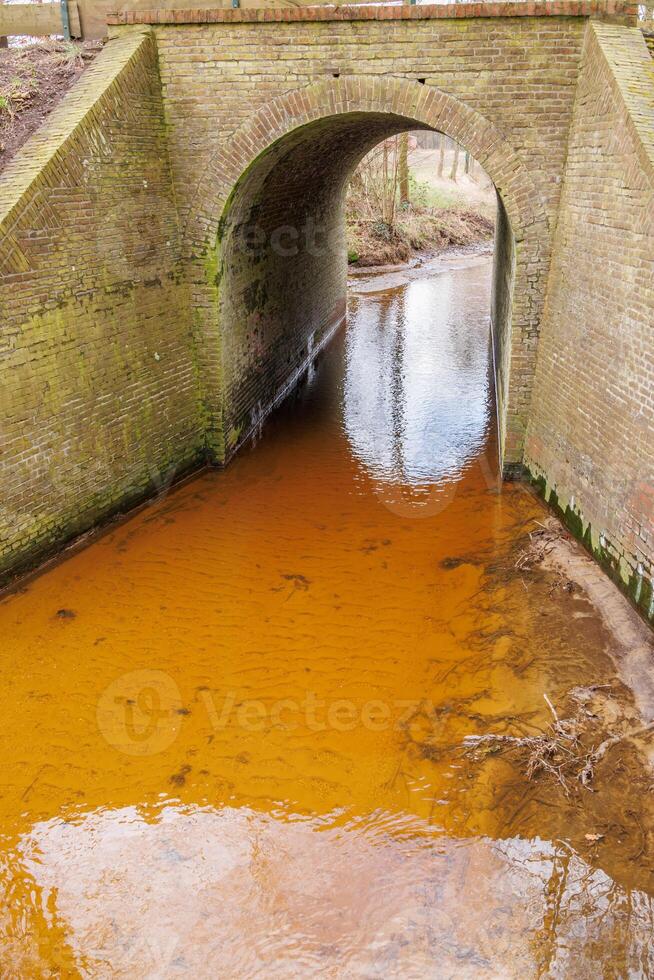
(426, 105)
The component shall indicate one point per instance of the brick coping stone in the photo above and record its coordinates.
(610, 9)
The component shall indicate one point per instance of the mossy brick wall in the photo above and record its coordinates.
(98, 402)
(590, 439)
(504, 260)
(505, 87)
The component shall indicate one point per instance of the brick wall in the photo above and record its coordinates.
(98, 402)
(502, 301)
(504, 88)
(591, 433)
(158, 294)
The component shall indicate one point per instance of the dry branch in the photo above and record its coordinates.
(560, 752)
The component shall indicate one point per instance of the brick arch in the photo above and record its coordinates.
(427, 106)
(250, 342)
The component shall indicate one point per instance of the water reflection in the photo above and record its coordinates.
(191, 891)
(416, 401)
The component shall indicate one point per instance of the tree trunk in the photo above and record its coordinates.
(455, 162)
(441, 154)
(393, 188)
(356, 182)
(403, 169)
(385, 209)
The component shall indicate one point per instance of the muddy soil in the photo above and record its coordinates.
(33, 80)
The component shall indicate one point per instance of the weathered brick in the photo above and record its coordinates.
(99, 397)
(590, 437)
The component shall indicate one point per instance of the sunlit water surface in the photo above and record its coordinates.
(231, 728)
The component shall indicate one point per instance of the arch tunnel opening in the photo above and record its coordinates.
(282, 265)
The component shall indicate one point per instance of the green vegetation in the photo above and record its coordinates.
(16, 92)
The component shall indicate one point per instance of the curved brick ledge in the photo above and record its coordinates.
(626, 12)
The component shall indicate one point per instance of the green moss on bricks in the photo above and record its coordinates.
(637, 587)
(100, 403)
(573, 522)
(233, 436)
(540, 486)
(641, 592)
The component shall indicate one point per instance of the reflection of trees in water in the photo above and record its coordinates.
(129, 890)
(585, 924)
(416, 387)
(392, 324)
(33, 939)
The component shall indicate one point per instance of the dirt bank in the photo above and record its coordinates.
(445, 206)
(32, 81)
(632, 642)
(417, 231)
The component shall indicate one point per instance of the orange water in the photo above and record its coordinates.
(231, 728)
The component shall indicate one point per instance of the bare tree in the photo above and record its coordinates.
(403, 169)
(455, 162)
(376, 182)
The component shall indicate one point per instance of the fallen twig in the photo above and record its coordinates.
(558, 751)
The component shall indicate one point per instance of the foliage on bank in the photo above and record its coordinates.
(391, 216)
(416, 231)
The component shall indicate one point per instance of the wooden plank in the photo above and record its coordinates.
(36, 19)
(75, 24)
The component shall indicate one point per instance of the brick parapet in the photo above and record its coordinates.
(610, 9)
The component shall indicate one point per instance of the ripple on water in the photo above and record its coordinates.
(187, 889)
(232, 727)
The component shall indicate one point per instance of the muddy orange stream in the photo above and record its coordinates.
(232, 728)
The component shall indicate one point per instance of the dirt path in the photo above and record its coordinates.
(471, 190)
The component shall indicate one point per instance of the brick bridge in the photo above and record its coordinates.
(173, 253)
